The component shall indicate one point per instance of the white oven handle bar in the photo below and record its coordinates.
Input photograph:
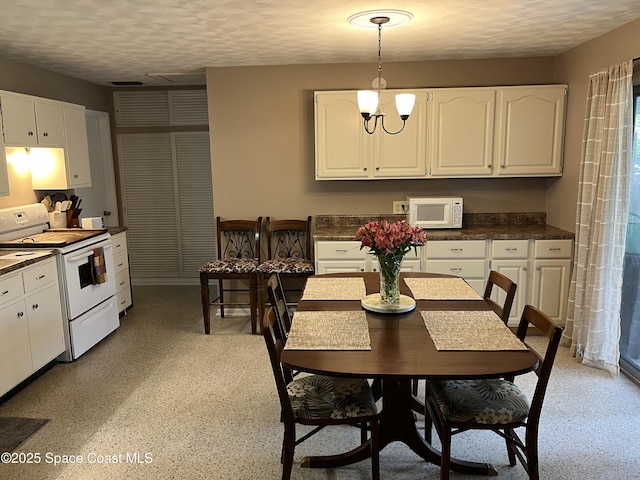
(87, 253)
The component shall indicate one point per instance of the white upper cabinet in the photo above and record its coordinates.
(31, 123)
(480, 132)
(401, 155)
(344, 150)
(4, 172)
(460, 137)
(60, 127)
(342, 145)
(530, 130)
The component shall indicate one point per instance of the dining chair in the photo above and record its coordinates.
(503, 311)
(289, 252)
(508, 287)
(457, 406)
(238, 248)
(319, 401)
(277, 299)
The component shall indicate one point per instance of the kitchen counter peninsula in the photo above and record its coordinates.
(475, 226)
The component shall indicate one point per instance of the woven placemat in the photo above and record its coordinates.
(345, 288)
(329, 331)
(470, 330)
(441, 289)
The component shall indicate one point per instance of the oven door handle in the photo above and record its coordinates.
(84, 255)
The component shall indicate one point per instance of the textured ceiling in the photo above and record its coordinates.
(118, 40)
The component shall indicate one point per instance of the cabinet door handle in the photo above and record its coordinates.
(455, 269)
(511, 249)
(75, 176)
(41, 277)
(457, 250)
(35, 306)
(555, 249)
(365, 169)
(45, 134)
(4, 293)
(341, 251)
(20, 314)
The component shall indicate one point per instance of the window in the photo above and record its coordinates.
(630, 307)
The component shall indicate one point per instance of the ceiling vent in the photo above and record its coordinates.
(127, 84)
(193, 78)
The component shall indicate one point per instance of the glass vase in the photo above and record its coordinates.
(390, 278)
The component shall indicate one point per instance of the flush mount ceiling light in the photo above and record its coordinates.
(369, 100)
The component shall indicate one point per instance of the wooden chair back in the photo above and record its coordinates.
(531, 316)
(289, 238)
(275, 344)
(239, 238)
(509, 288)
(278, 301)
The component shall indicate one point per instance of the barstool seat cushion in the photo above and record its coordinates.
(230, 265)
(287, 265)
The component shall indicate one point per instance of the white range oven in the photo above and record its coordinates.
(86, 273)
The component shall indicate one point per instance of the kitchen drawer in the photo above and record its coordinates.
(10, 287)
(40, 274)
(553, 248)
(119, 241)
(461, 268)
(339, 250)
(123, 281)
(121, 263)
(456, 249)
(510, 248)
(124, 299)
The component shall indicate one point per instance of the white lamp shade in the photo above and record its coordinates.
(404, 103)
(367, 101)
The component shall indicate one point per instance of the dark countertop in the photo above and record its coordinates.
(516, 226)
(4, 269)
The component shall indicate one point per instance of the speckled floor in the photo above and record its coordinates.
(159, 399)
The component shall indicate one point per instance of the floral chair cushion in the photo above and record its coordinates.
(315, 397)
(287, 265)
(230, 265)
(490, 401)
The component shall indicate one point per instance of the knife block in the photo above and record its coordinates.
(72, 221)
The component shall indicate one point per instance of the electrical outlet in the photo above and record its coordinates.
(398, 207)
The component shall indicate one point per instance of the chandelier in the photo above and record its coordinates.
(369, 100)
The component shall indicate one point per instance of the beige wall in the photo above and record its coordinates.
(574, 68)
(22, 78)
(262, 140)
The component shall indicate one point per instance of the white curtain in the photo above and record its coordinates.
(593, 317)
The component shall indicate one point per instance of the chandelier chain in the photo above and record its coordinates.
(379, 57)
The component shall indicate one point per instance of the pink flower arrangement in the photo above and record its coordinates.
(390, 238)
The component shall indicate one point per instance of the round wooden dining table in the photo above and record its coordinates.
(402, 350)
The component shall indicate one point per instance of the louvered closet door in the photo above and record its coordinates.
(168, 204)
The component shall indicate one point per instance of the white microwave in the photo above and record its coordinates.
(434, 212)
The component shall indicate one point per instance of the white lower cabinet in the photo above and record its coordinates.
(31, 324)
(551, 277)
(337, 256)
(511, 258)
(542, 270)
(464, 258)
(123, 277)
